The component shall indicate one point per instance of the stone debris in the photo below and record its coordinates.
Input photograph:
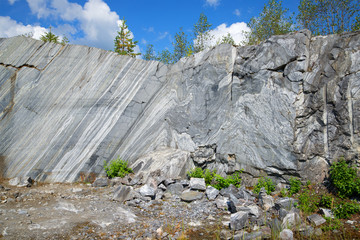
(316, 219)
(197, 184)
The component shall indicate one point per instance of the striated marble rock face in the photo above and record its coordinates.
(287, 107)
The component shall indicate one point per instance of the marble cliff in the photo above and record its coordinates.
(289, 106)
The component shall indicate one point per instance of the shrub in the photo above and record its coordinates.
(295, 185)
(308, 201)
(199, 173)
(326, 201)
(265, 183)
(221, 182)
(345, 179)
(346, 209)
(196, 173)
(117, 168)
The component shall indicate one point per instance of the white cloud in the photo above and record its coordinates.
(237, 31)
(213, 3)
(11, 2)
(237, 12)
(10, 28)
(163, 35)
(95, 20)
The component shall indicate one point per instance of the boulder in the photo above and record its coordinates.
(147, 191)
(211, 192)
(197, 184)
(286, 234)
(291, 220)
(176, 188)
(238, 220)
(191, 196)
(100, 182)
(124, 193)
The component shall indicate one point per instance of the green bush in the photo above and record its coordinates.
(196, 173)
(308, 201)
(345, 179)
(326, 201)
(215, 180)
(117, 168)
(266, 183)
(295, 185)
(346, 209)
(221, 182)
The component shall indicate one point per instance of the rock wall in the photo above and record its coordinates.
(287, 107)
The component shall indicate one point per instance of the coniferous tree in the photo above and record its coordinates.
(49, 37)
(124, 43)
(149, 53)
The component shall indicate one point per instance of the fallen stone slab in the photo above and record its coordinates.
(125, 193)
(316, 219)
(190, 196)
(147, 191)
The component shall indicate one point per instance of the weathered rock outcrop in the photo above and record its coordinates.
(289, 106)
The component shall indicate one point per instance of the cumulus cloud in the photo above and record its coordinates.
(10, 28)
(213, 3)
(237, 31)
(95, 21)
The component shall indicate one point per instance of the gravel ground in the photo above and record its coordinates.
(79, 211)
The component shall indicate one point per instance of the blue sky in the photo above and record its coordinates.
(95, 22)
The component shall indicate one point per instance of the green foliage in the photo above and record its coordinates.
(49, 37)
(117, 168)
(149, 53)
(295, 185)
(209, 176)
(331, 224)
(273, 20)
(308, 201)
(329, 16)
(345, 179)
(221, 182)
(165, 56)
(64, 41)
(201, 33)
(196, 173)
(284, 192)
(181, 45)
(266, 183)
(346, 209)
(215, 180)
(326, 201)
(124, 43)
(226, 39)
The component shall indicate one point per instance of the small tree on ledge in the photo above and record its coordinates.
(49, 37)
(124, 44)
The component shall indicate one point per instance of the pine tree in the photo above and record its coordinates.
(49, 37)
(202, 35)
(124, 43)
(149, 53)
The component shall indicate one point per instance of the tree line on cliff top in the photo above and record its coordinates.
(321, 17)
